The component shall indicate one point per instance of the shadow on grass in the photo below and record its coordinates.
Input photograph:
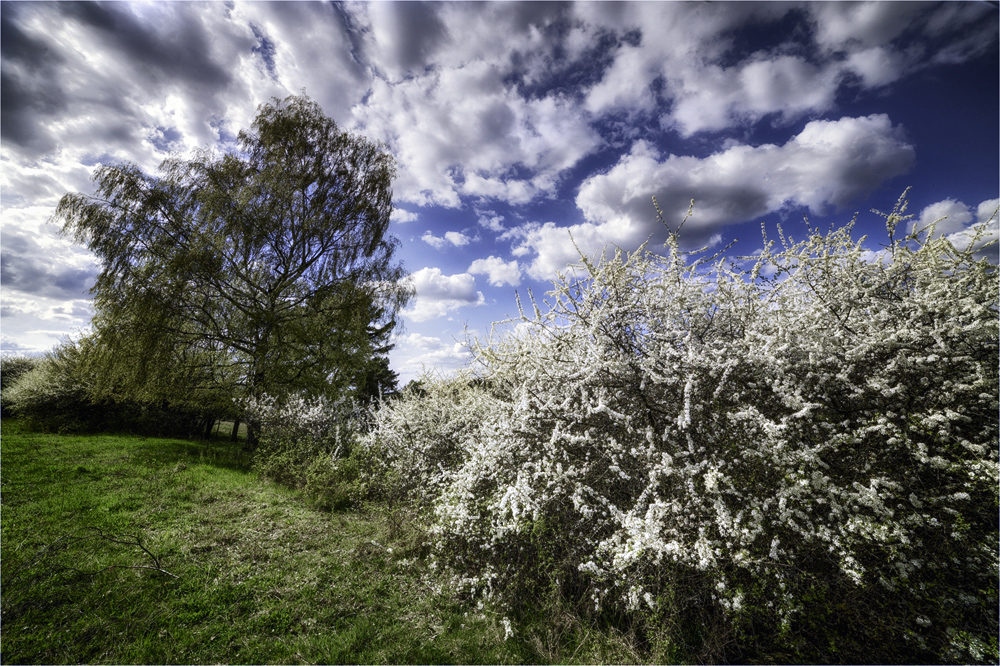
(213, 452)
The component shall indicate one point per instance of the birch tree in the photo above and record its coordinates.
(265, 270)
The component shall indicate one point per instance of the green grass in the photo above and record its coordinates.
(121, 549)
(260, 576)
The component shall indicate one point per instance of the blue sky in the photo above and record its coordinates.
(514, 125)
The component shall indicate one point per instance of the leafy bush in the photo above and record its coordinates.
(796, 461)
(53, 394)
(303, 442)
(57, 394)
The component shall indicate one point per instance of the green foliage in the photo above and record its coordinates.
(268, 270)
(54, 394)
(375, 382)
(57, 395)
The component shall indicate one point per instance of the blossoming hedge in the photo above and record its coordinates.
(798, 459)
(306, 442)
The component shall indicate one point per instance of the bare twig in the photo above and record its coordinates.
(97, 533)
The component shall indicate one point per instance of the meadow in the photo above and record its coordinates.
(124, 549)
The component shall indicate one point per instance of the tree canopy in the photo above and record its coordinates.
(265, 270)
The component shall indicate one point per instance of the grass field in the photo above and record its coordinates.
(120, 549)
(234, 570)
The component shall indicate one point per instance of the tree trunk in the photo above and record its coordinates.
(234, 437)
(253, 436)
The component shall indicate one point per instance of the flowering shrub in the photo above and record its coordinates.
(303, 442)
(421, 439)
(801, 455)
(52, 393)
(13, 366)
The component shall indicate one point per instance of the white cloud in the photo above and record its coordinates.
(490, 220)
(684, 63)
(405, 37)
(417, 341)
(625, 85)
(949, 215)
(876, 66)
(416, 354)
(437, 294)
(558, 247)
(499, 271)
(828, 164)
(849, 26)
(434, 241)
(402, 216)
(987, 209)
(35, 342)
(463, 131)
(455, 238)
(787, 85)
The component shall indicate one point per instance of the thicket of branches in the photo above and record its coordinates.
(796, 459)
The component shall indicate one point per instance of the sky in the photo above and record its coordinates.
(514, 125)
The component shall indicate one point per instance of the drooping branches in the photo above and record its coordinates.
(266, 270)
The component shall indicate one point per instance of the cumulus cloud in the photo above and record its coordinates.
(454, 238)
(557, 247)
(415, 355)
(688, 62)
(987, 210)
(451, 102)
(848, 26)
(499, 271)
(464, 131)
(27, 267)
(490, 220)
(115, 81)
(404, 36)
(434, 241)
(787, 85)
(947, 216)
(438, 294)
(119, 76)
(402, 216)
(828, 164)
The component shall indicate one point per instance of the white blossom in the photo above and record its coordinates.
(839, 413)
